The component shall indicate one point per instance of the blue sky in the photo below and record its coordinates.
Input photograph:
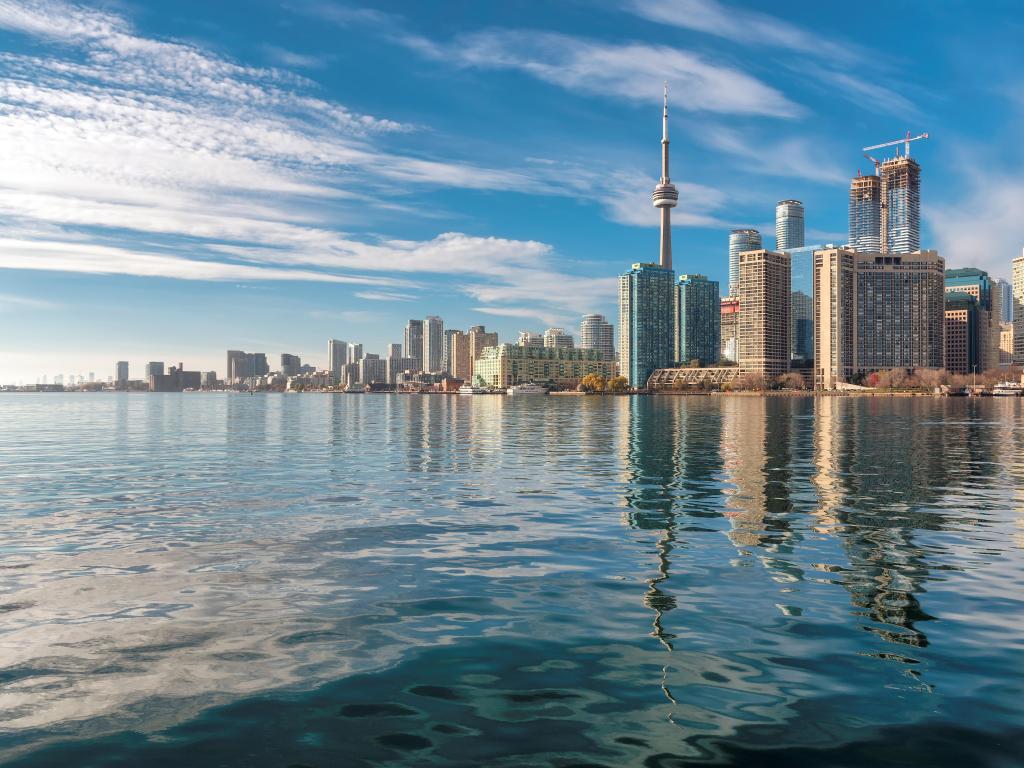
(180, 178)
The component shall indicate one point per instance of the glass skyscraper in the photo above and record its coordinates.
(789, 225)
(866, 213)
(646, 332)
(740, 240)
(698, 320)
(901, 209)
(801, 315)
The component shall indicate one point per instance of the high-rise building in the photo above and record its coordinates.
(244, 365)
(373, 370)
(665, 195)
(152, 369)
(962, 333)
(764, 294)
(558, 338)
(976, 282)
(355, 353)
(337, 358)
(433, 344)
(460, 356)
(122, 372)
(397, 365)
(414, 342)
(446, 357)
(901, 205)
(740, 240)
(789, 225)
(290, 364)
(866, 213)
(597, 333)
(730, 327)
(394, 350)
(801, 316)
(646, 332)
(530, 339)
(479, 339)
(175, 380)
(1005, 291)
(1006, 344)
(698, 320)
(875, 311)
(1018, 309)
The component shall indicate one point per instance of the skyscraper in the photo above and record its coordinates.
(446, 357)
(597, 333)
(698, 320)
(337, 358)
(875, 311)
(394, 350)
(730, 327)
(740, 240)
(290, 364)
(122, 372)
(414, 342)
(866, 213)
(433, 344)
(153, 369)
(977, 283)
(558, 338)
(1018, 309)
(459, 358)
(901, 205)
(355, 353)
(789, 225)
(665, 195)
(1005, 291)
(962, 333)
(801, 315)
(646, 338)
(764, 294)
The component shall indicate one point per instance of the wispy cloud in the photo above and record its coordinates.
(631, 71)
(543, 314)
(384, 296)
(10, 302)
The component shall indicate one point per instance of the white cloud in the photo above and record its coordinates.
(10, 302)
(632, 71)
(793, 157)
(384, 296)
(545, 315)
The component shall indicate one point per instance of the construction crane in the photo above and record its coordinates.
(876, 162)
(904, 141)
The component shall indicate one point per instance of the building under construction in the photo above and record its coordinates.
(885, 209)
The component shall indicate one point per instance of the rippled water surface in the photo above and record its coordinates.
(323, 580)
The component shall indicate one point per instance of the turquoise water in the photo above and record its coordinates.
(323, 580)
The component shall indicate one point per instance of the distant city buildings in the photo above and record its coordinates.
(597, 333)
(789, 225)
(245, 365)
(175, 380)
(1017, 279)
(558, 338)
(1005, 291)
(962, 333)
(414, 342)
(121, 373)
(530, 339)
(740, 240)
(504, 365)
(764, 294)
(152, 369)
(730, 327)
(698, 320)
(433, 344)
(372, 370)
(976, 283)
(337, 358)
(290, 364)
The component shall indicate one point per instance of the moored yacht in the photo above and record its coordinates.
(1008, 389)
(526, 389)
(469, 389)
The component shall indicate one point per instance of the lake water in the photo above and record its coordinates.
(323, 580)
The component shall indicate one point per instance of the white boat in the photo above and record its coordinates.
(1008, 389)
(468, 389)
(526, 389)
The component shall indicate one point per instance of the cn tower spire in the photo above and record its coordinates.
(665, 194)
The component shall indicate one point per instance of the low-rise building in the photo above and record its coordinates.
(504, 365)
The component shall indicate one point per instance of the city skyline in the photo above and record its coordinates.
(344, 207)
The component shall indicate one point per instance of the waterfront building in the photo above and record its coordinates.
(398, 365)
(962, 354)
(557, 337)
(740, 240)
(176, 379)
(530, 339)
(730, 327)
(865, 213)
(460, 357)
(505, 365)
(433, 344)
(901, 205)
(1018, 310)
(446, 356)
(355, 353)
(373, 370)
(337, 358)
(665, 195)
(121, 372)
(1005, 291)
(789, 225)
(290, 364)
(976, 282)
(208, 380)
(875, 311)
(1006, 344)
(414, 342)
(152, 369)
(698, 320)
(479, 339)
(246, 365)
(350, 374)
(801, 317)
(597, 333)
(764, 294)
(646, 328)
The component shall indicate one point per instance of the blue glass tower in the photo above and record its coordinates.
(698, 320)
(646, 332)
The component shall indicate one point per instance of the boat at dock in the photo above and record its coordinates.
(526, 389)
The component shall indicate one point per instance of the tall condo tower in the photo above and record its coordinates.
(789, 225)
(665, 195)
(866, 213)
(901, 205)
(740, 240)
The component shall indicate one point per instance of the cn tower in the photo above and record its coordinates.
(665, 194)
